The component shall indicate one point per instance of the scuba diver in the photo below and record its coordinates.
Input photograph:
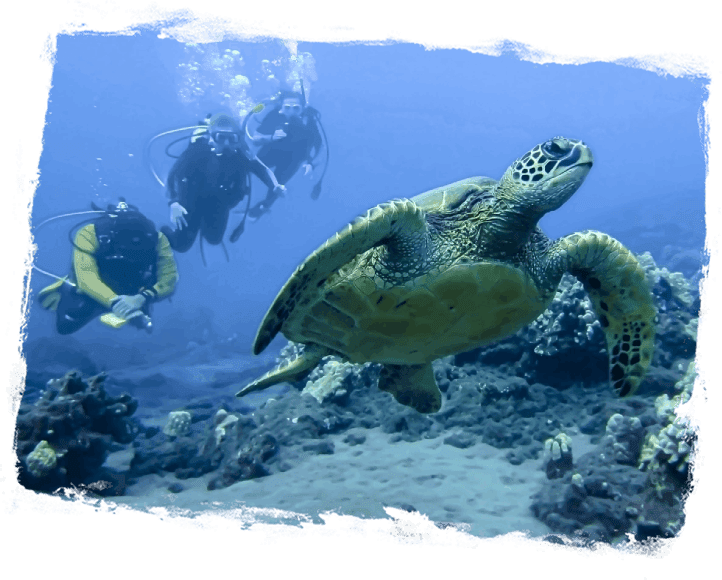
(208, 180)
(121, 266)
(290, 138)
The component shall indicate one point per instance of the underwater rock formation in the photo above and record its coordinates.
(65, 436)
(528, 395)
(636, 479)
(667, 449)
(568, 346)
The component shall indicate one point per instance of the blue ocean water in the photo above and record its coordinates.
(400, 120)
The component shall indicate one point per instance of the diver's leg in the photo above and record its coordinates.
(215, 221)
(75, 310)
(284, 172)
(274, 160)
(262, 206)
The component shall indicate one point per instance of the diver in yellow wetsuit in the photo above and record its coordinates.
(121, 265)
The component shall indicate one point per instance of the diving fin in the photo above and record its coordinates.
(316, 191)
(115, 321)
(237, 232)
(50, 295)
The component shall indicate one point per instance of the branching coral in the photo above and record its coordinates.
(670, 447)
(569, 319)
(327, 380)
(558, 455)
(623, 437)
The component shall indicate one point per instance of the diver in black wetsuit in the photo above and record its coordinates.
(290, 138)
(209, 179)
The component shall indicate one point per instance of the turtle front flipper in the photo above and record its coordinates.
(412, 385)
(395, 221)
(617, 286)
(290, 371)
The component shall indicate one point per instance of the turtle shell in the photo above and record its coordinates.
(443, 312)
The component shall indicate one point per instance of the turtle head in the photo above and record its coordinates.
(547, 176)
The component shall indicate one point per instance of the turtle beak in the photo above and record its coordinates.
(579, 154)
(585, 155)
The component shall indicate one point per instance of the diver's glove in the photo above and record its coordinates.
(280, 190)
(278, 134)
(307, 169)
(125, 306)
(177, 211)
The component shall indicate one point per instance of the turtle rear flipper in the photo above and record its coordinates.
(291, 371)
(617, 286)
(412, 385)
(388, 222)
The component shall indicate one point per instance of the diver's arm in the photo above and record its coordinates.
(172, 185)
(192, 158)
(255, 134)
(315, 144)
(167, 272)
(257, 137)
(261, 139)
(263, 172)
(86, 268)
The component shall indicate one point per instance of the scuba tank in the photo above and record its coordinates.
(126, 254)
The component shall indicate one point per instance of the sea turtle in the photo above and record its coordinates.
(456, 268)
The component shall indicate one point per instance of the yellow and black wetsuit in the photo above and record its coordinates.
(88, 277)
(102, 276)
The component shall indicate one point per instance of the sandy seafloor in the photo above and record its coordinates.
(474, 486)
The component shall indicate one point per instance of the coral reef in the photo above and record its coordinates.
(642, 462)
(179, 423)
(568, 346)
(334, 380)
(528, 395)
(623, 438)
(65, 436)
(558, 455)
(666, 452)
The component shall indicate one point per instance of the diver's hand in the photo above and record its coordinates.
(307, 169)
(127, 306)
(177, 211)
(278, 134)
(280, 190)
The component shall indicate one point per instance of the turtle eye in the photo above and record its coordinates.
(553, 149)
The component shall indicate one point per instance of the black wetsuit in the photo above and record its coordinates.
(286, 155)
(75, 310)
(209, 186)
